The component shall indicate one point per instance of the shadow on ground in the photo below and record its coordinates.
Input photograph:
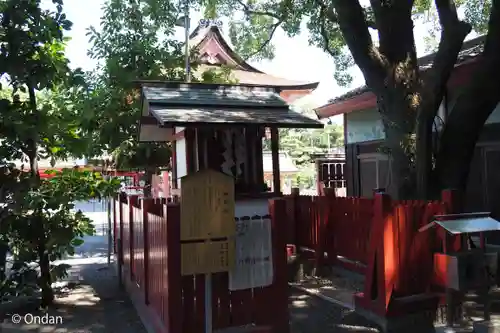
(309, 314)
(89, 301)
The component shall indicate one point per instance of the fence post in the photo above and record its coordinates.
(146, 205)
(132, 201)
(172, 216)
(294, 230)
(121, 198)
(329, 227)
(378, 286)
(277, 210)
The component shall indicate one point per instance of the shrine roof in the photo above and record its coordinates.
(214, 52)
(182, 104)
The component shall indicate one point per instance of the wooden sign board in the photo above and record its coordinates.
(207, 257)
(207, 213)
(207, 207)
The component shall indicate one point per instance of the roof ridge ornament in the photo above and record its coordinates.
(205, 23)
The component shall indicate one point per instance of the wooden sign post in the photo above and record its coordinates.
(207, 228)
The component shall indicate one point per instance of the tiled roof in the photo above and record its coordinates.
(223, 95)
(470, 50)
(259, 78)
(188, 104)
(244, 73)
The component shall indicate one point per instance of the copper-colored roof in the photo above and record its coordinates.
(243, 72)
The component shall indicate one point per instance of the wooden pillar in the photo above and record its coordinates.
(249, 170)
(319, 177)
(202, 148)
(191, 156)
(173, 159)
(275, 146)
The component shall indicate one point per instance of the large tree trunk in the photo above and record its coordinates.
(398, 119)
(45, 277)
(407, 102)
(471, 111)
(453, 33)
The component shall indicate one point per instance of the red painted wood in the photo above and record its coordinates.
(151, 235)
(220, 300)
(188, 304)
(173, 261)
(145, 208)
(132, 200)
(277, 210)
(241, 310)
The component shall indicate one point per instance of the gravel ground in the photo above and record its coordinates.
(310, 314)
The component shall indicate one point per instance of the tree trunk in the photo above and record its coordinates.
(45, 277)
(148, 182)
(398, 126)
(472, 109)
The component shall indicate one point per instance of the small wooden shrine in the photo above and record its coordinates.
(214, 53)
(220, 127)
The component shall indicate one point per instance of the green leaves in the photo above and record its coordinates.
(41, 117)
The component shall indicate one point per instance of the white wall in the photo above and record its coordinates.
(364, 126)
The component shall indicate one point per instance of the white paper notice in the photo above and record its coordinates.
(254, 264)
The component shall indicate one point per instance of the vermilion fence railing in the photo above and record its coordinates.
(377, 236)
(149, 232)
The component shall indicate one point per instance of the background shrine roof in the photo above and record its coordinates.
(196, 103)
(470, 50)
(214, 51)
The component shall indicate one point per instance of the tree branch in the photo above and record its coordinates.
(324, 33)
(349, 15)
(249, 11)
(273, 29)
(453, 33)
(471, 111)
(279, 20)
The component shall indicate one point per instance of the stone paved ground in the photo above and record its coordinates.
(310, 314)
(91, 303)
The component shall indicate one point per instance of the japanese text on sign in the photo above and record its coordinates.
(253, 254)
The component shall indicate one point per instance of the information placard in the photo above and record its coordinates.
(253, 254)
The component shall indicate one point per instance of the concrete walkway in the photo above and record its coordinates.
(91, 302)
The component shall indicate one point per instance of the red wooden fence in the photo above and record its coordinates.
(150, 236)
(378, 237)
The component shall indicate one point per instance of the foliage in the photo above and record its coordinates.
(135, 41)
(39, 121)
(300, 144)
(378, 36)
